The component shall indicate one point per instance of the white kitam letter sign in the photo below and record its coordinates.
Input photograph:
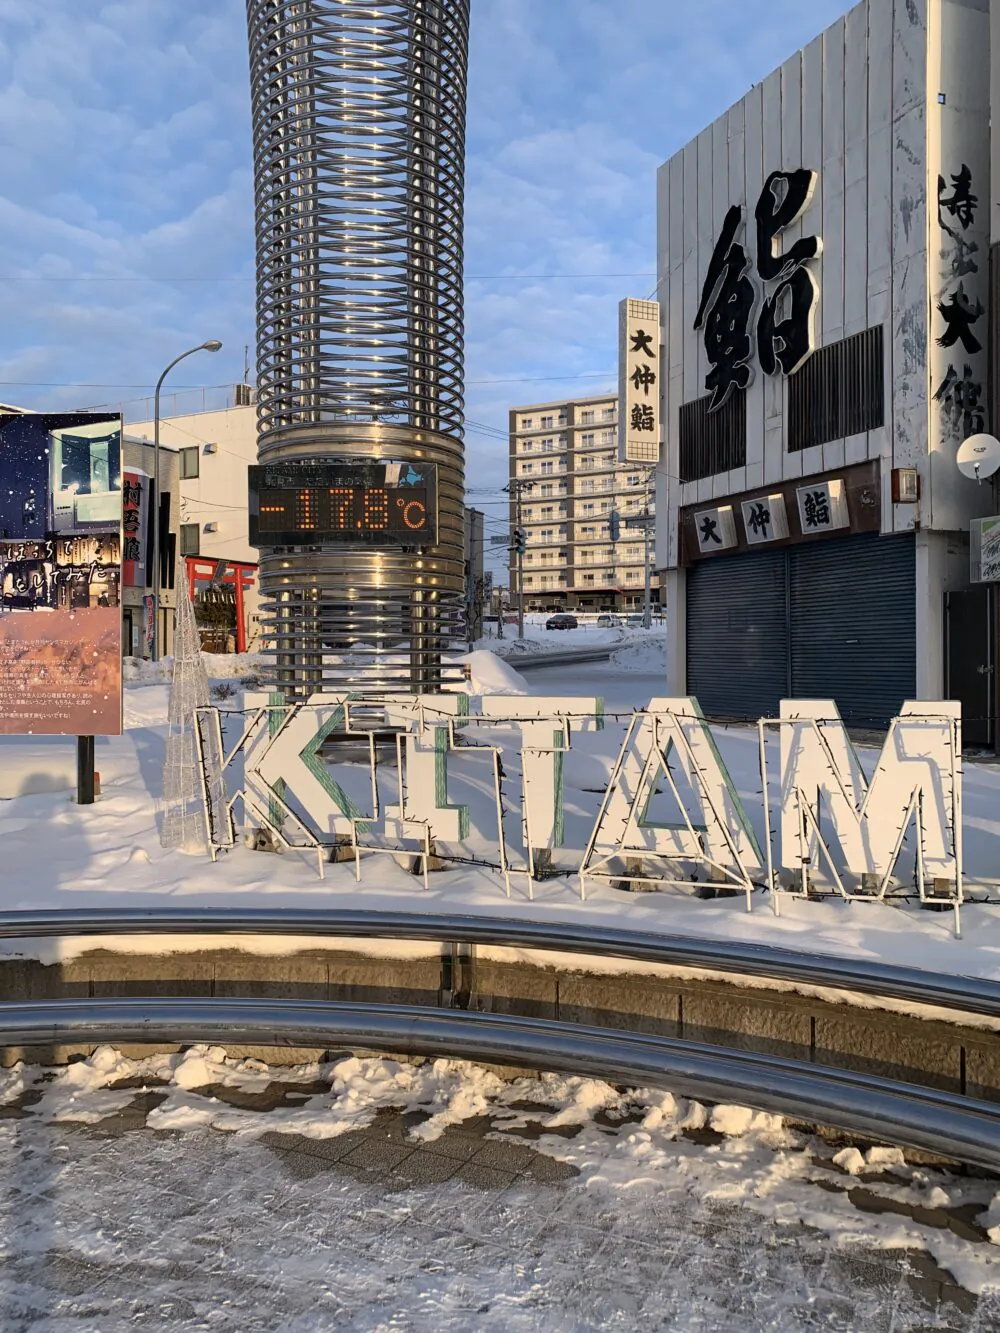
(834, 824)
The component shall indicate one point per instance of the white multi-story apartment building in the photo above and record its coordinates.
(566, 482)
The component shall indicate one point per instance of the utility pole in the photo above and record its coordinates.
(518, 546)
(646, 522)
(647, 606)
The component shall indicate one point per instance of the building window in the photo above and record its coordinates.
(190, 460)
(587, 440)
(527, 423)
(547, 423)
(547, 468)
(607, 437)
(586, 418)
(527, 447)
(608, 414)
(712, 442)
(527, 469)
(839, 392)
(588, 578)
(547, 489)
(190, 539)
(548, 446)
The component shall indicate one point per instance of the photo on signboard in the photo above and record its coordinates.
(60, 574)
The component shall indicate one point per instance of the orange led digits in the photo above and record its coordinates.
(341, 506)
(415, 515)
(360, 503)
(376, 510)
(307, 510)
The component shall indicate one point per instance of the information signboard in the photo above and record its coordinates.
(349, 503)
(60, 574)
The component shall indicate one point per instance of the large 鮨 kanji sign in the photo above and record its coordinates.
(784, 327)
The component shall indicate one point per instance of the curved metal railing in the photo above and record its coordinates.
(937, 1122)
(971, 995)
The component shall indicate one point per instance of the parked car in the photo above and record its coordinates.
(561, 622)
(608, 621)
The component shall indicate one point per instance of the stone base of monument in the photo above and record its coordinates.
(826, 1028)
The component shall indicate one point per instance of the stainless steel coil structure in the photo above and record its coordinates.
(359, 141)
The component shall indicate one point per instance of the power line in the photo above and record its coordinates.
(200, 388)
(249, 277)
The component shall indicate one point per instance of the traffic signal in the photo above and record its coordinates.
(520, 541)
(614, 525)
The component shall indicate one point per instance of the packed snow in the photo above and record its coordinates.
(668, 1213)
(57, 854)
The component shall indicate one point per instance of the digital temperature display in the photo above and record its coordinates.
(371, 504)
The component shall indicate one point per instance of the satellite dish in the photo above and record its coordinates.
(979, 457)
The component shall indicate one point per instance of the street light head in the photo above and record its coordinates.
(213, 345)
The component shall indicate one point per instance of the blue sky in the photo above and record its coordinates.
(126, 194)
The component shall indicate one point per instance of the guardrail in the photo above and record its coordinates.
(950, 1125)
(936, 1122)
(536, 661)
(973, 995)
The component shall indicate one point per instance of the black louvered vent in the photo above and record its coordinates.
(840, 391)
(713, 442)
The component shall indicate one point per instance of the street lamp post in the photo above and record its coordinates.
(213, 345)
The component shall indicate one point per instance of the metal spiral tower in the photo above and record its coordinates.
(359, 141)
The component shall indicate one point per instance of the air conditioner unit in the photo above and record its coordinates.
(211, 527)
(210, 449)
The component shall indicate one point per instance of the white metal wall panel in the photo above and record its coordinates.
(754, 131)
(833, 206)
(791, 160)
(812, 221)
(737, 479)
(909, 249)
(774, 443)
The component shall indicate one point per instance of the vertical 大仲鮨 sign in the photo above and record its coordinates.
(639, 381)
(60, 574)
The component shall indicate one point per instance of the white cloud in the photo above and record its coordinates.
(125, 132)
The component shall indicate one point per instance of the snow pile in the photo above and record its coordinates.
(490, 674)
(218, 666)
(12, 1083)
(646, 652)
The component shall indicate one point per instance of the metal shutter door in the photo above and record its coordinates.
(853, 625)
(737, 654)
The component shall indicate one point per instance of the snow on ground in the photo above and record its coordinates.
(57, 854)
(667, 1213)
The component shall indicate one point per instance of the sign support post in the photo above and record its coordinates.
(85, 784)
